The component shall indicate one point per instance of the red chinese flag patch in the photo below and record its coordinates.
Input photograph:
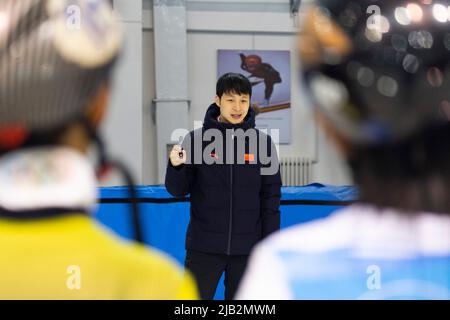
(249, 157)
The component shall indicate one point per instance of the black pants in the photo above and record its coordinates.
(207, 268)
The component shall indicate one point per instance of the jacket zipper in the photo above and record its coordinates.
(231, 211)
(231, 201)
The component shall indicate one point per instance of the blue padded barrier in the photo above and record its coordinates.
(164, 219)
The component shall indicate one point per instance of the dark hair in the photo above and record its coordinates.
(233, 83)
(413, 175)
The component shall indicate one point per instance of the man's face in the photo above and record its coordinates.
(233, 107)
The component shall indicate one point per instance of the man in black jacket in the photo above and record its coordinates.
(231, 171)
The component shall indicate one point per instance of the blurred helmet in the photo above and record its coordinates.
(379, 71)
(54, 56)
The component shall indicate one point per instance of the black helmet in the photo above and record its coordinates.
(54, 55)
(379, 70)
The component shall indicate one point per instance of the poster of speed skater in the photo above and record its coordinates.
(269, 74)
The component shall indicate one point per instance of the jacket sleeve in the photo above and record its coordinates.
(179, 179)
(270, 194)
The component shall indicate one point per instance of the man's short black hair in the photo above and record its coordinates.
(233, 83)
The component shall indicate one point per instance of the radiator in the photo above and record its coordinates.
(296, 171)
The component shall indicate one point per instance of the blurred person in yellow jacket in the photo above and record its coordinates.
(56, 60)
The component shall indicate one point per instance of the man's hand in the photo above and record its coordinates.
(177, 156)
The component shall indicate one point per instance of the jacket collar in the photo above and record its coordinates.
(47, 177)
(213, 113)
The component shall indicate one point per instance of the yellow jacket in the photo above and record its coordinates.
(71, 257)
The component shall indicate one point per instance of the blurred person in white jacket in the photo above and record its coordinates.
(379, 78)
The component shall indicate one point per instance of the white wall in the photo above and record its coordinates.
(122, 129)
(209, 31)
(150, 174)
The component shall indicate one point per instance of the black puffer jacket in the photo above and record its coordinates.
(233, 206)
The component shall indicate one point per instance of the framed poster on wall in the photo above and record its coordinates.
(270, 75)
